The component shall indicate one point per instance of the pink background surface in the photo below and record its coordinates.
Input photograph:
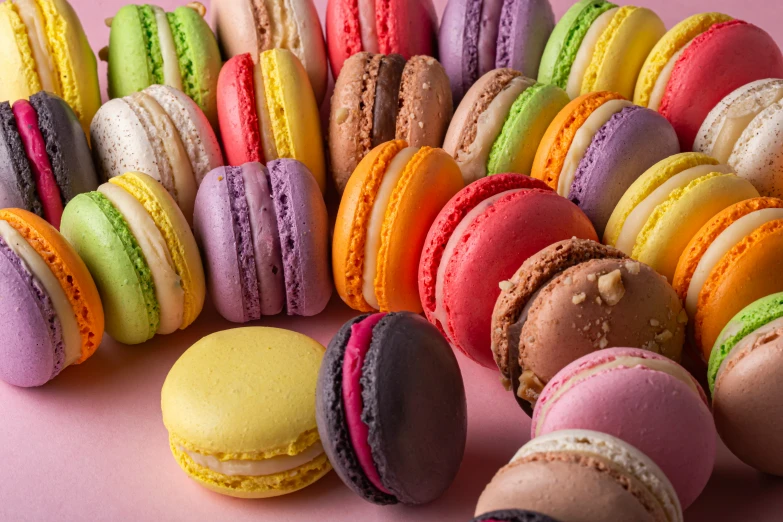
(91, 445)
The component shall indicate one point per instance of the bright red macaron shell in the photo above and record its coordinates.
(479, 240)
(406, 27)
(718, 61)
(239, 116)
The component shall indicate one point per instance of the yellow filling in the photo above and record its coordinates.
(19, 31)
(603, 45)
(273, 90)
(56, 30)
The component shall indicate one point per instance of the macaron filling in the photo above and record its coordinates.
(386, 93)
(184, 58)
(36, 34)
(35, 149)
(733, 235)
(587, 46)
(167, 49)
(353, 362)
(149, 28)
(275, 115)
(256, 468)
(372, 245)
(659, 89)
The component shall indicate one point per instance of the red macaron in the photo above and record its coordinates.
(718, 61)
(237, 112)
(479, 239)
(406, 27)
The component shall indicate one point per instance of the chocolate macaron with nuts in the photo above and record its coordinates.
(575, 297)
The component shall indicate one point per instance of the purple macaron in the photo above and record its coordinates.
(477, 36)
(263, 233)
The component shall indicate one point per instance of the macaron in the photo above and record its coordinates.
(148, 46)
(44, 157)
(681, 80)
(239, 407)
(597, 146)
(385, 213)
(406, 27)
(575, 297)
(744, 378)
(745, 130)
(138, 247)
(598, 46)
(597, 477)
(513, 515)
(50, 314)
(476, 36)
(391, 410)
(667, 205)
(476, 243)
(267, 110)
(379, 98)
(264, 234)
(160, 132)
(45, 49)
(732, 261)
(250, 26)
(643, 398)
(500, 122)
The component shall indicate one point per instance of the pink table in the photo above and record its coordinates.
(91, 445)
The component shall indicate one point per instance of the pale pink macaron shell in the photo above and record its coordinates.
(650, 409)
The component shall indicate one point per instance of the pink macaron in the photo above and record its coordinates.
(643, 398)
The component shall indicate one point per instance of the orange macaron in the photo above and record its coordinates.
(387, 208)
(731, 262)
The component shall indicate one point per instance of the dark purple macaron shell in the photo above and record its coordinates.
(632, 141)
(413, 404)
(17, 184)
(513, 515)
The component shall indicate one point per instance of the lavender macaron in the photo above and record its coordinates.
(263, 233)
(477, 36)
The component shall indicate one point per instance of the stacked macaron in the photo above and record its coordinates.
(138, 247)
(477, 242)
(406, 27)
(384, 216)
(45, 49)
(50, 313)
(252, 26)
(160, 132)
(477, 36)
(44, 157)
(500, 122)
(667, 205)
(745, 130)
(598, 46)
(699, 62)
(267, 110)
(597, 146)
(149, 46)
(264, 235)
(379, 98)
(744, 378)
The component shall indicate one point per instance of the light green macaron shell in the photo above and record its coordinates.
(749, 319)
(564, 43)
(135, 59)
(102, 238)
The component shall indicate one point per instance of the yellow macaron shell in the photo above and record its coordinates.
(676, 39)
(292, 112)
(246, 394)
(20, 78)
(179, 238)
(621, 51)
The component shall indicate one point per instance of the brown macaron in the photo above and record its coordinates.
(575, 297)
(379, 98)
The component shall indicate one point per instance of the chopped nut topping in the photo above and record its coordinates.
(579, 298)
(425, 86)
(664, 336)
(598, 300)
(591, 277)
(421, 124)
(603, 343)
(530, 340)
(682, 317)
(605, 326)
(568, 280)
(654, 322)
(499, 331)
(652, 346)
(530, 386)
(633, 267)
(506, 285)
(611, 287)
(505, 382)
(341, 115)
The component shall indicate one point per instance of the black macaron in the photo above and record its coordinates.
(513, 515)
(412, 404)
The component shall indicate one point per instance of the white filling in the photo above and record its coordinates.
(585, 54)
(171, 73)
(367, 27)
(72, 340)
(168, 285)
(44, 63)
(659, 89)
(725, 241)
(638, 217)
(582, 140)
(257, 468)
(440, 311)
(375, 223)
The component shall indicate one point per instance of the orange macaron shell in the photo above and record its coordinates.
(428, 182)
(748, 272)
(554, 146)
(70, 271)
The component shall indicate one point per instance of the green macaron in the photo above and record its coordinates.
(148, 46)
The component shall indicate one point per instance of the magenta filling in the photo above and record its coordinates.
(353, 361)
